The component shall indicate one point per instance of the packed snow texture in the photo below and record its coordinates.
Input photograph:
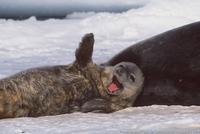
(32, 43)
(150, 120)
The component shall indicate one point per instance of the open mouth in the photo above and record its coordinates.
(115, 86)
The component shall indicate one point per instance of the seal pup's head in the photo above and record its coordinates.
(123, 82)
(125, 75)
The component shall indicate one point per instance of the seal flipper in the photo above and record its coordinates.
(84, 51)
(96, 106)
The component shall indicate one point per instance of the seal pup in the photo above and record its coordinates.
(170, 62)
(81, 86)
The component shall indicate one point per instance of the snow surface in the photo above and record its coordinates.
(32, 43)
(151, 120)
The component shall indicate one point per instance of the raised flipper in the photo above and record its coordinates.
(84, 51)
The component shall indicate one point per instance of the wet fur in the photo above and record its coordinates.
(51, 90)
(60, 89)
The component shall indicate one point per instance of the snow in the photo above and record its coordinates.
(32, 43)
(153, 119)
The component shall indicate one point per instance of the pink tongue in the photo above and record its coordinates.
(112, 87)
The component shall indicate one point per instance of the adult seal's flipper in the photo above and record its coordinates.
(84, 51)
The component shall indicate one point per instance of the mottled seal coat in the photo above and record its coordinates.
(81, 86)
(171, 65)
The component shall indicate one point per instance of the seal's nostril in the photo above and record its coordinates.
(132, 77)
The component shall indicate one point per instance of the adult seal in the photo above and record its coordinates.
(171, 65)
(81, 86)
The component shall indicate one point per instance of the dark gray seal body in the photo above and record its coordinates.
(171, 65)
(81, 86)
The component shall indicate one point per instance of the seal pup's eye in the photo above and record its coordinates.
(121, 66)
(132, 77)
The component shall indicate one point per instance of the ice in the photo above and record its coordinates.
(151, 119)
(32, 43)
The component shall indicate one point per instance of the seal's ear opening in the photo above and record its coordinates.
(84, 51)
